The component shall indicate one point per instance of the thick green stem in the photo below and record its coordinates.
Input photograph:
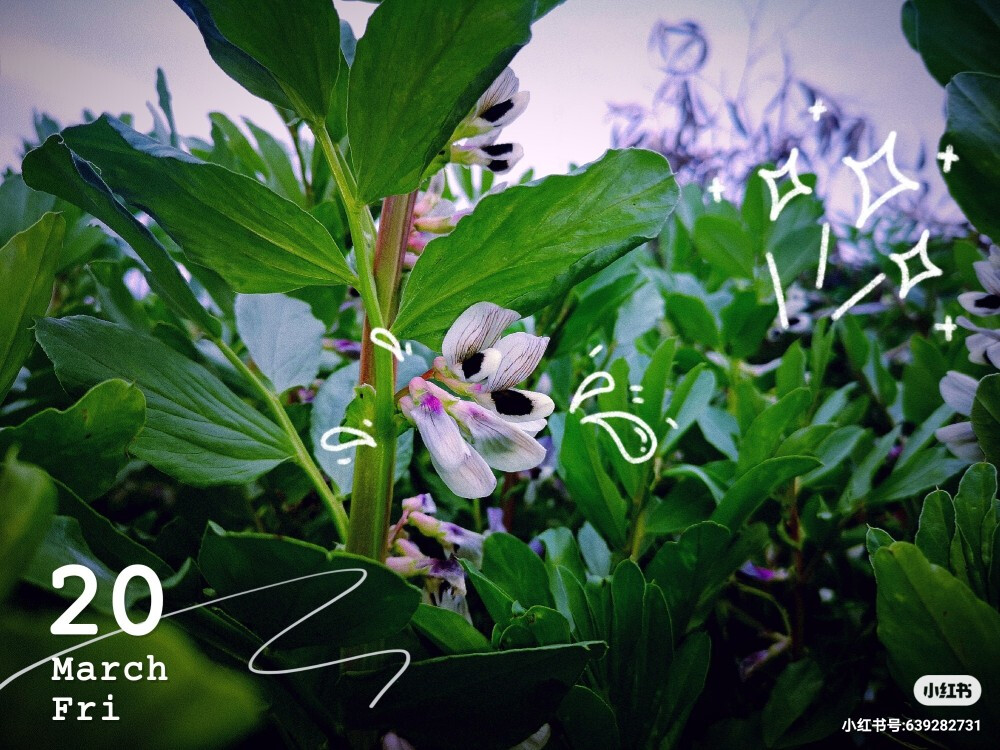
(302, 456)
(379, 263)
(374, 469)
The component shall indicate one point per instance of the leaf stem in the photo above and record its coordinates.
(359, 220)
(302, 456)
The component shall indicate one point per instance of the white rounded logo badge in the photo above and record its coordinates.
(947, 690)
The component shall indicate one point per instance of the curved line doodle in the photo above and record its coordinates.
(361, 438)
(267, 643)
(646, 435)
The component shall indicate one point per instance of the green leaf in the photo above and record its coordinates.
(588, 721)
(693, 319)
(235, 562)
(797, 687)
(723, 243)
(512, 693)
(27, 504)
(196, 429)
(418, 71)
(688, 401)
(986, 417)
(498, 602)
(745, 322)
(875, 538)
(931, 623)
(538, 626)
(284, 339)
(791, 373)
(692, 570)
(448, 630)
(921, 378)
(589, 485)
(764, 435)
(255, 239)
(974, 515)
(84, 446)
(928, 468)
(64, 545)
(958, 35)
(510, 564)
(194, 683)
(751, 490)
(973, 114)
(54, 168)
(594, 551)
(686, 680)
(561, 550)
(937, 528)
(296, 41)
(28, 265)
(528, 245)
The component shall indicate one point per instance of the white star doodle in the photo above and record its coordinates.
(948, 328)
(817, 109)
(949, 157)
(859, 167)
(771, 176)
(717, 188)
(929, 272)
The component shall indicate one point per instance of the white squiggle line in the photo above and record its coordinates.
(250, 663)
(582, 394)
(640, 426)
(384, 337)
(857, 296)
(824, 248)
(779, 294)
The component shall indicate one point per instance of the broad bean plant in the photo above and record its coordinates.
(549, 440)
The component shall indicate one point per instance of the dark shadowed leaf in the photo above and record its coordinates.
(84, 447)
(27, 504)
(28, 265)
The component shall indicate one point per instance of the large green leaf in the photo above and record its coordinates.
(588, 721)
(196, 429)
(931, 623)
(236, 562)
(255, 239)
(958, 35)
(208, 706)
(296, 41)
(54, 168)
(85, 446)
(937, 527)
(528, 245)
(448, 630)
(685, 683)
(723, 243)
(798, 686)
(974, 132)
(28, 265)
(418, 70)
(764, 435)
(493, 700)
(27, 504)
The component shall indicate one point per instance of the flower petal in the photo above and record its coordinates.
(958, 391)
(520, 354)
(516, 405)
(470, 479)
(979, 303)
(504, 445)
(438, 430)
(533, 427)
(422, 503)
(476, 329)
(988, 273)
(961, 440)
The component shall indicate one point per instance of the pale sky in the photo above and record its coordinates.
(62, 56)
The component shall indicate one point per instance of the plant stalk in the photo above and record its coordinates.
(374, 469)
(302, 456)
